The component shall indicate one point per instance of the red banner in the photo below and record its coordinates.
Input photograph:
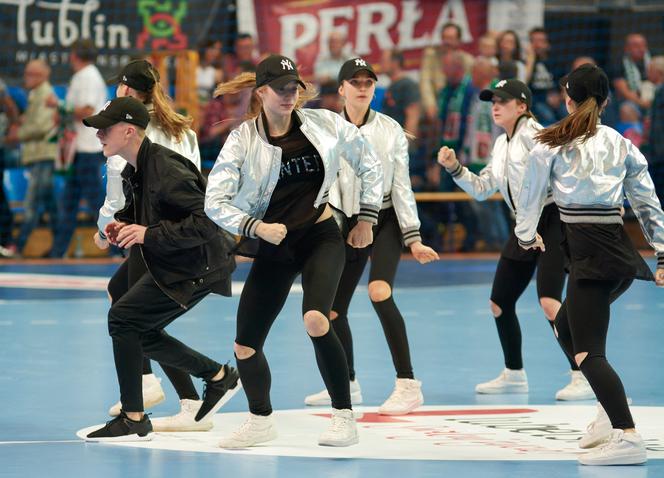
(299, 28)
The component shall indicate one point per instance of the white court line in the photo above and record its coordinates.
(38, 442)
(6, 322)
(93, 321)
(634, 307)
(44, 322)
(445, 312)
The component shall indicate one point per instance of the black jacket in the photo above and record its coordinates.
(183, 248)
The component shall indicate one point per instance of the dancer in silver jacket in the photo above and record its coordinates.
(398, 225)
(271, 185)
(591, 169)
(516, 267)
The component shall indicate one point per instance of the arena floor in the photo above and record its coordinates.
(58, 377)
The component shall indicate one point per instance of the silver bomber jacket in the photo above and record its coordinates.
(115, 199)
(505, 171)
(391, 146)
(590, 181)
(246, 172)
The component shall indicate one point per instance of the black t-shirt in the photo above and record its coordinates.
(300, 179)
(542, 80)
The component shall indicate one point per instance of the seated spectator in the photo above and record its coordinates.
(540, 79)
(656, 141)
(487, 48)
(244, 56)
(509, 49)
(37, 133)
(629, 75)
(329, 98)
(402, 98)
(209, 72)
(329, 63)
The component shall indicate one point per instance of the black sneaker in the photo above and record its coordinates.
(217, 393)
(122, 428)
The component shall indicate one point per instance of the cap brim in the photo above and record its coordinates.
(98, 122)
(487, 95)
(284, 80)
(113, 80)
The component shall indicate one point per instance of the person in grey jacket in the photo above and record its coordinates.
(398, 225)
(591, 169)
(271, 185)
(509, 159)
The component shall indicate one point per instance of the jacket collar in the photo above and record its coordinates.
(258, 124)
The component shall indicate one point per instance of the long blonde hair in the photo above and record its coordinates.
(248, 80)
(173, 123)
(581, 123)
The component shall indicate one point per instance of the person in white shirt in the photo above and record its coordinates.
(328, 65)
(86, 95)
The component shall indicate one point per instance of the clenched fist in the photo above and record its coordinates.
(447, 158)
(272, 233)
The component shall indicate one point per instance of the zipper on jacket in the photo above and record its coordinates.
(140, 248)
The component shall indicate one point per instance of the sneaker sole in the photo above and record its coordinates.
(502, 391)
(198, 427)
(572, 398)
(222, 401)
(124, 438)
(353, 441)
(618, 460)
(272, 436)
(354, 400)
(405, 411)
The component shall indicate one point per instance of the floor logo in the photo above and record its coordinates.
(431, 433)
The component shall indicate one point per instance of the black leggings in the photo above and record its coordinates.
(318, 256)
(127, 275)
(582, 325)
(516, 268)
(385, 254)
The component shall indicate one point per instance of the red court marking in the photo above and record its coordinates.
(376, 418)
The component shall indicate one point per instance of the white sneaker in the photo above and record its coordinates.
(153, 394)
(322, 398)
(342, 430)
(598, 431)
(509, 381)
(577, 389)
(257, 429)
(184, 421)
(621, 449)
(405, 398)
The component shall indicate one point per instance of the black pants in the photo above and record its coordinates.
(385, 253)
(6, 217)
(318, 257)
(582, 325)
(515, 270)
(129, 273)
(135, 322)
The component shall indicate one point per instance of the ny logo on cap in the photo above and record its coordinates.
(105, 106)
(128, 116)
(523, 95)
(124, 78)
(501, 83)
(360, 62)
(286, 65)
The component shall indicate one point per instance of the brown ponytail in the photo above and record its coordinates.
(582, 123)
(248, 80)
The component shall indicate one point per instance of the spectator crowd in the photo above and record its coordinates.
(437, 106)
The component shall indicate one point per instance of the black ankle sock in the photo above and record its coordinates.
(509, 333)
(342, 329)
(394, 328)
(330, 355)
(256, 381)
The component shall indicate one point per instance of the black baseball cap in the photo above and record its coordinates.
(137, 74)
(351, 67)
(125, 109)
(277, 71)
(509, 90)
(586, 81)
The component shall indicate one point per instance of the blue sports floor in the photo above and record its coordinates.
(57, 373)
